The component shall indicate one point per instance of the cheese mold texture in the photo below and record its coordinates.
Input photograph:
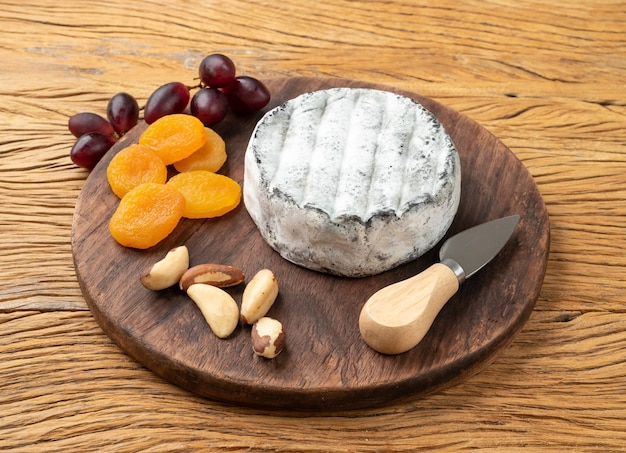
(351, 181)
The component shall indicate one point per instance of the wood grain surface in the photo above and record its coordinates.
(326, 364)
(547, 78)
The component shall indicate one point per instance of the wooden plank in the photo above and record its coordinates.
(545, 78)
(558, 386)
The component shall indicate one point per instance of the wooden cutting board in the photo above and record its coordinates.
(326, 364)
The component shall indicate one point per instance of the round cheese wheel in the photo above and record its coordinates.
(351, 181)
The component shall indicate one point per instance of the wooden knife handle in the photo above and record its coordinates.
(397, 317)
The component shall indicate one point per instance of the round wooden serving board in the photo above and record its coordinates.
(326, 364)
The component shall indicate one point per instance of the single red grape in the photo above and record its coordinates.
(209, 105)
(217, 70)
(168, 99)
(84, 122)
(246, 95)
(123, 112)
(90, 148)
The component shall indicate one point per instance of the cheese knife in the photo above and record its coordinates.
(398, 316)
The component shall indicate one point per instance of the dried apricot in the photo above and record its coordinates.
(146, 215)
(174, 137)
(210, 157)
(207, 194)
(134, 165)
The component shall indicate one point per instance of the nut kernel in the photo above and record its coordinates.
(268, 337)
(168, 271)
(258, 296)
(220, 275)
(217, 306)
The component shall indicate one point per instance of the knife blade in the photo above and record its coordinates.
(397, 317)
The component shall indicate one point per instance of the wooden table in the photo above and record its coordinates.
(547, 78)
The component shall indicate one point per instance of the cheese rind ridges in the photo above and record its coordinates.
(351, 181)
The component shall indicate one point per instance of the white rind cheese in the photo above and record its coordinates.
(351, 181)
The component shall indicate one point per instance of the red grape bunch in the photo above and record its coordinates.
(220, 90)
